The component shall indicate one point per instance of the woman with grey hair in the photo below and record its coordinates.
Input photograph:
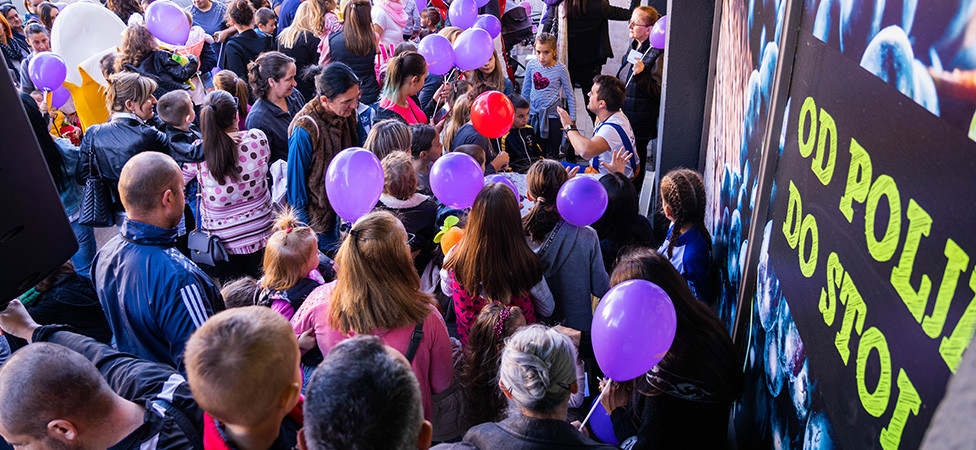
(537, 374)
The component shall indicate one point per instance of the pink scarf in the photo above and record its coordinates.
(395, 10)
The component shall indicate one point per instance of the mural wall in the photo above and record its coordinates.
(865, 251)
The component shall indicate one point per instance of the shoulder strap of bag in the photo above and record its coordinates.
(93, 170)
(201, 200)
(627, 145)
(415, 338)
(552, 234)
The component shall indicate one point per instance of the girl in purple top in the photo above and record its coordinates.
(291, 266)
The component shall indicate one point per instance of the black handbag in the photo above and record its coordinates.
(96, 197)
(205, 247)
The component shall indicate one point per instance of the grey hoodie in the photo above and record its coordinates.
(573, 268)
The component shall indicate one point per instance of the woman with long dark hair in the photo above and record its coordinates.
(621, 225)
(235, 199)
(492, 263)
(684, 401)
(272, 80)
(47, 12)
(355, 46)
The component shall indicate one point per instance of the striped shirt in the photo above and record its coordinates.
(239, 213)
(543, 85)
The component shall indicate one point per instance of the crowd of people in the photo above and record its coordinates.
(234, 308)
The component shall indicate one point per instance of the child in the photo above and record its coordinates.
(242, 367)
(493, 263)
(226, 80)
(688, 243)
(267, 21)
(141, 54)
(240, 292)
(474, 151)
(425, 148)
(416, 211)
(388, 136)
(570, 254)
(430, 21)
(495, 323)
(464, 133)
(292, 268)
(546, 86)
(175, 109)
(521, 143)
(332, 22)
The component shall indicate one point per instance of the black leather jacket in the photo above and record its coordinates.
(114, 143)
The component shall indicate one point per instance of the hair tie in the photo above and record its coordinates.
(502, 317)
(288, 230)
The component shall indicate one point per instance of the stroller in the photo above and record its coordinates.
(516, 28)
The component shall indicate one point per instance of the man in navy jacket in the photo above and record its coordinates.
(153, 296)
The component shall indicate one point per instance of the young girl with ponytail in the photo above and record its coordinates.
(571, 258)
(235, 200)
(688, 244)
(404, 79)
(292, 269)
(226, 80)
(571, 255)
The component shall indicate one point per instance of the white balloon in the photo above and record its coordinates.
(82, 30)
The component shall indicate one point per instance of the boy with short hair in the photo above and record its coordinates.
(521, 142)
(242, 366)
(175, 110)
(266, 21)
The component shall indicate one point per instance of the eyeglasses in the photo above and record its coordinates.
(410, 238)
(635, 25)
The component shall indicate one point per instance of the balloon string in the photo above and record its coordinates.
(596, 403)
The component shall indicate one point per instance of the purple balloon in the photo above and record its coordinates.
(499, 178)
(438, 52)
(456, 178)
(602, 426)
(473, 49)
(354, 182)
(463, 13)
(659, 32)
(632, 330)
(582, 200)
(489, 23)
(47, 70)
(481, 3)
(167, 22)
(59, 97)
(528, 7)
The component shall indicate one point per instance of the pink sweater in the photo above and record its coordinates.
(432, 364)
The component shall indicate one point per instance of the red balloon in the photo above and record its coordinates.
(492, 114)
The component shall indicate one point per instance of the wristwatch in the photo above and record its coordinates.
(571, 128)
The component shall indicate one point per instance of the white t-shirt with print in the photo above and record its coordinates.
(609, 134)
